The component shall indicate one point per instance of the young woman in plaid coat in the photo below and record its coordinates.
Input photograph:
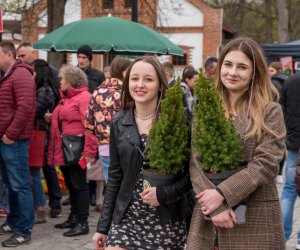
(247, 94)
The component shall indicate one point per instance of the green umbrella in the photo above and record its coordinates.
(107, 35)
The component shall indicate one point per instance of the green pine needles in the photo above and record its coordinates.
(214, 136)
(169, 136)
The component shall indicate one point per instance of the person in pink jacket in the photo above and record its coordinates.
(67, 118)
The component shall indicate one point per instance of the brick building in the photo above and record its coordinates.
(193, 25)
(12, 31)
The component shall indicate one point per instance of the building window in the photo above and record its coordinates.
(128, 3)
(108, 4)
(180, 60)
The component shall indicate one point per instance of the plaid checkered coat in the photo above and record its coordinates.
(263, 229)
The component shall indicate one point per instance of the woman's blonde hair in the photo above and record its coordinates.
(74, 75)
(254, 102)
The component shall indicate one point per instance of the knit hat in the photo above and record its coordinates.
(86, 50)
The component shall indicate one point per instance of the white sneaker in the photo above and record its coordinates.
(298, 247)
(279, 179)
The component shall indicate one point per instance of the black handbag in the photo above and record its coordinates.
(72, 146)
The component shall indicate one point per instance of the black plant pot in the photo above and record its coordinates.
(155, 180)
(217, 178)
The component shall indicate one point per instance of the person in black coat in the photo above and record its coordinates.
(133, 217)
(47, 97)
(290, 102)
(278, 78)
(95, 78)
(84, 59)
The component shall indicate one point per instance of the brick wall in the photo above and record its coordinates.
(146, 16)
(212, 30)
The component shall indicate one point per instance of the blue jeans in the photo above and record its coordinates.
(105, 161)
(3, 195)
(15, 173)
(289, 195)
(37, 188)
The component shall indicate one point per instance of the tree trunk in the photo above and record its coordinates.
(56, 12)
(269, 23)
(241, 17)
(294, 19)
(283, 22)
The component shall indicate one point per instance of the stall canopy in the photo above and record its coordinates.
(108, 35)
(284, 49)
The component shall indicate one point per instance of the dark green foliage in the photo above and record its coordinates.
(214, 137)
(169, 135)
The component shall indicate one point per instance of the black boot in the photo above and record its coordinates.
(69, 223)
(79, 229)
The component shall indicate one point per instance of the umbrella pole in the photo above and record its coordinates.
(106, 58)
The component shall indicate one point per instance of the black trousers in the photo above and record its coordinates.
(51, 178)
(52, 182)
(75, 179)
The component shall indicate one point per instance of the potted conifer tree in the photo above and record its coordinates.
(214, 138)
(168, 141)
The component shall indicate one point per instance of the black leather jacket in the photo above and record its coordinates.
(176, 201)
(290, 102)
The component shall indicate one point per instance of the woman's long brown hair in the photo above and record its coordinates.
(254, 102)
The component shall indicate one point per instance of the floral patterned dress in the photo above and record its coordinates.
(140, 227)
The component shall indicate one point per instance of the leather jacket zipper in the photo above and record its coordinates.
(137, 147)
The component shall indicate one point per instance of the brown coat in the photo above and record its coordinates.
(263, 229)
(297, 179)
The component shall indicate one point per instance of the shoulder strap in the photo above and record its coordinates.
(59, 123)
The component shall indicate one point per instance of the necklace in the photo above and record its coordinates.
(232, 116)
(143, 118)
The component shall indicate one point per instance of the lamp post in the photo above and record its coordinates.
(134, 11)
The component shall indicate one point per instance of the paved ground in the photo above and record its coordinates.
(46, 237)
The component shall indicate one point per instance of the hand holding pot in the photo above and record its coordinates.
(149, 197)
(99, 241)
(209, 200)
(225, 219)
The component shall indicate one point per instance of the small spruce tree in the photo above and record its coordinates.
(169, 135)
(214, 136)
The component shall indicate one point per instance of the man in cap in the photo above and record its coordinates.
(95, 78)
(84, 58)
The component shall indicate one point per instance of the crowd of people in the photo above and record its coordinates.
(105, 118)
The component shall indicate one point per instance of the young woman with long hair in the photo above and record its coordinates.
(247, 93)
(131, 217)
